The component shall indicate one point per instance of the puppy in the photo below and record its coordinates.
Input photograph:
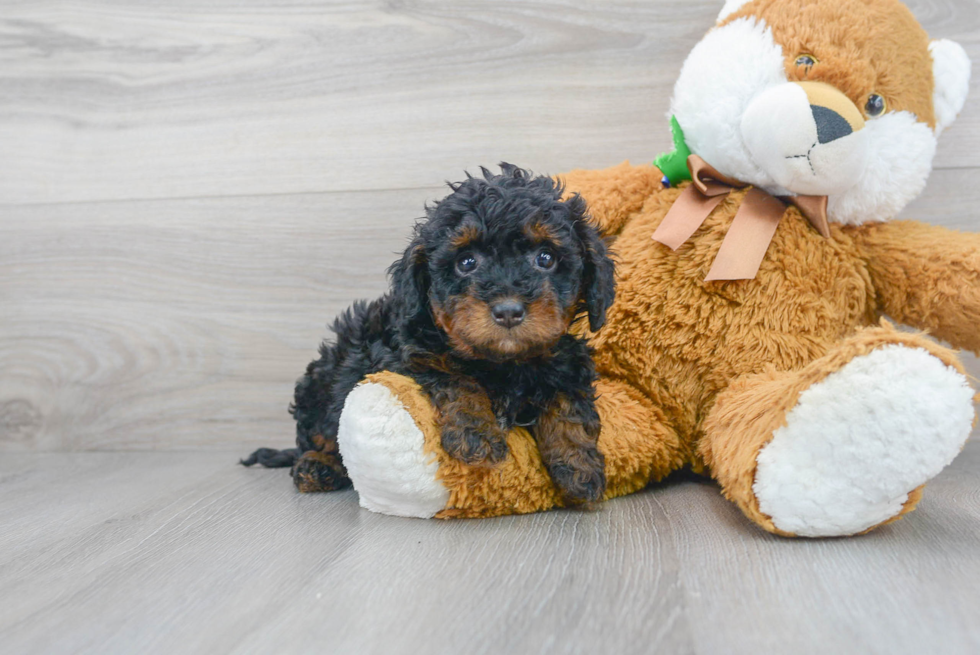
(478, 314)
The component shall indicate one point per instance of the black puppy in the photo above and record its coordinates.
(478, 314)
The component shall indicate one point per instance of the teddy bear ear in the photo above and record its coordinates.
(951, 75)
(731, 6)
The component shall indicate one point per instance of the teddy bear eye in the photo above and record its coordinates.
(875, 106)
(806, 61)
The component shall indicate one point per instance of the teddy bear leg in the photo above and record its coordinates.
(845, 444)
(391, 447)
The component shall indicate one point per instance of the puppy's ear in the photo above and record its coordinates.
(410, 285)
(599, 274)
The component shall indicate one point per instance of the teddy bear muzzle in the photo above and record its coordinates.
(808, 137)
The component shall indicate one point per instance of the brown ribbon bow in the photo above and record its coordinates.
(752, 229)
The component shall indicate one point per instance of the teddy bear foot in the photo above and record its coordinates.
(383, 452)
(858, 444)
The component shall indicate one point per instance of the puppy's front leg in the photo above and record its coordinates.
(470, 432)
(567, 433)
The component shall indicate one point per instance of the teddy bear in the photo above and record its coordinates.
(756, 265)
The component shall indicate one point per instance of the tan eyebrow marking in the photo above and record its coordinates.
(466, 236)
(540, 232)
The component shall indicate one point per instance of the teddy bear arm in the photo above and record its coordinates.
(927, 277)
(390, 440)
(614, 194)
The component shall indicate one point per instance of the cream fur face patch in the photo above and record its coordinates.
(900, 153)
(720, 78)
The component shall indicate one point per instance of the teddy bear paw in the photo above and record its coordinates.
(859, 441)
(383, 452)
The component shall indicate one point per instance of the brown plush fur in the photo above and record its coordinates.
(936, 290)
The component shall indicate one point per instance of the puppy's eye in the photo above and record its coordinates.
(806, 61)
(545, 260)
(875, 106)
(466, 264)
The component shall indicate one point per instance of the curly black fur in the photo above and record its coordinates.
(435, 325)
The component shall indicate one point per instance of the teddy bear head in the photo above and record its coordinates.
(836, 98)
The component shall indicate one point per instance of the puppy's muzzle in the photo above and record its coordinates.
(508, 313)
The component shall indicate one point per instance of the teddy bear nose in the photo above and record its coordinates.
(509, 313)
(834, 115)
(830, 125)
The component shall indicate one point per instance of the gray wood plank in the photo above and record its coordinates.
(134, 325)
(190, 553)
(950, 199)
(186, 552)
(910, 587)
(104, 101)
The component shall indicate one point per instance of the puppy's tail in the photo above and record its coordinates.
(272, 458)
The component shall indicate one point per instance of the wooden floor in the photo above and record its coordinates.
(191, 190)
(189, 553)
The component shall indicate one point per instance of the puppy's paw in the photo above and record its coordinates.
(319, 471)
(475, 446)
(580, 475)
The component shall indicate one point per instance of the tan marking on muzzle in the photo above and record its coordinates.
(824, 95)
(469, 324)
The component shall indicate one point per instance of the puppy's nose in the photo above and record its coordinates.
(509, 313)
